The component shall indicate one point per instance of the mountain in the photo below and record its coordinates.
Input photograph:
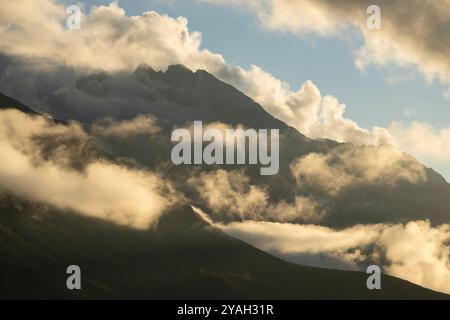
(8, 102)
(183, 258)
(179, 96)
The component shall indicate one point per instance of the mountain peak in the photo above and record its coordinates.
(143, 67)
(179, 70)
(8, 102)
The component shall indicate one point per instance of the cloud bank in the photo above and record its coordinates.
(111, 41)
(229, 195)
(413, 32)
(140, 125)
(99, 189)
(347, 166)
(414, 251)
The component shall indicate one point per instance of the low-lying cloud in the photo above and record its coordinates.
(415, 251)
(230, 195)
(140, 125)
(99, 189)
(347, 166)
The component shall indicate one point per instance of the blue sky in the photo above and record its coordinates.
(371, 99)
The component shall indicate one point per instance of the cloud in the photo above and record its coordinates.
(423, 140)
(332, 124)
(99, 189)
(111, 41)
(414, 251)
(419, 253)
(229, 195)
(347, 166)
(304, 109)
(108, 39)
(413, 33)
(233, 195)
(140, 125)
(447, 94)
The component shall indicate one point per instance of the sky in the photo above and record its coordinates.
(392, 82)
(374, 97)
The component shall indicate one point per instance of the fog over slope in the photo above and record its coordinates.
(344, 197)
(320, 182)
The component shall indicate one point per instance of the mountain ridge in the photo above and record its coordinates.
(165, 263)
(224, 267)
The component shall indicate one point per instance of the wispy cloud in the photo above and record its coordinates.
(415, 251)
(98, 189)
(413, 32)
(230, 195)
(109, 40)
(347, 166)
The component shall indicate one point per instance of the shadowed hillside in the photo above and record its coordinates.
(183, 258)
(179, 96)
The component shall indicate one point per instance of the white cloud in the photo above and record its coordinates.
(230, 192)
(347, 166)
(419, 253)
(423, 140)
(100, 189)
(304, 109)
(230, 195)
(413, 33)
(447, 93)
(414, 251)
(109, 40)
(141, 125)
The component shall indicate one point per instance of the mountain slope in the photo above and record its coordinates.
(8, 102)
(183, 258)
(179, 96)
